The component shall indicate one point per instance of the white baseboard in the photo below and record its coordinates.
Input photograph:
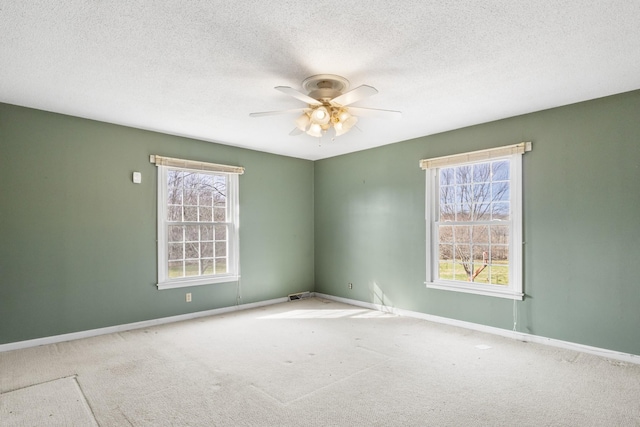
(521, 336)
(129, 326)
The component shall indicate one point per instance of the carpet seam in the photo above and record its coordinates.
(37, 384)
(86, 401)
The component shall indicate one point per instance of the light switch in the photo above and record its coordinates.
(137, 177)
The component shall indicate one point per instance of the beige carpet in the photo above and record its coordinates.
(313, 363)
(55, 403)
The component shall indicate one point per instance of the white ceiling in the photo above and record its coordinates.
(198, 68)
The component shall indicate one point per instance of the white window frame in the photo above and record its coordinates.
(232, 173)
(432, 167)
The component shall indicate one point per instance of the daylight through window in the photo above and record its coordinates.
(475, 222)
(197, 225)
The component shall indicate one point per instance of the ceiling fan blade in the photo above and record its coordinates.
(298, 95)
(372, 112)
(274, 113)
(354, 95)
(296, 132)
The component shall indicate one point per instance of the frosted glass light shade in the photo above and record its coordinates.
(302, 122)
(315, 130)
(320, 115)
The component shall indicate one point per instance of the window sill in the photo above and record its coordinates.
(184, 283)
(484, 290)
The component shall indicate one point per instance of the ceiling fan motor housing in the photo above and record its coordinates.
(325, 87)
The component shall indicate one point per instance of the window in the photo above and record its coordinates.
(474, 221)
(197, 223)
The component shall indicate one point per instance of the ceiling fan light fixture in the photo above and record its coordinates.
(315, 130)
(343, 115)
(327, 102)
(320, 115)
(350, 122)
(303, 122)
(340, 130)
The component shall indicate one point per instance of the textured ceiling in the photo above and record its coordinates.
(198, 68)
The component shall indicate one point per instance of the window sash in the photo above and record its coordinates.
(432, 216)
(232, 223)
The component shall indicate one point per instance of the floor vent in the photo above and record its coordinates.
(299, 295)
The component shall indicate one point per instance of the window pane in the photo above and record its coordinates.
(191, 179)
(447, 194)
(174, 196)
(192, 250)
(207, 249)
(499, 274)
(221, 232)
(205, 214)
(206, 266)
(219, 214)
(205, 198)
(481, 172)
(481, 274)
(206, 181)
(481, 212)
(206, 232)
(463, 212)
(462, 234)
(190, 213)
(192, 233)
(445, 252)
(221, 265)
(176, 251)
(176, 269)
(463, 262)
(480, 234)
(500, 170)
(174, 213)
(445, 234)
(447, 212)
(447, 176)
(445, 270)
(464, 193)
(482, 193)
(221, 249)
(499, 254)
(190, 197)
(174, 178)
(499, 234)
(479, 266)
(176, 233)
(500, 191)
(500, 211)
(191, 268)
(463, 174)
(481, 254)
(459, 272)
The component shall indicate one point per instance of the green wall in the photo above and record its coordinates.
(581, 224)
(78, 238)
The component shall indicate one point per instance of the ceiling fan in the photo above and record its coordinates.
(328, 106)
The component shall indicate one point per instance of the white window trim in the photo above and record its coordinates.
(514, 154)
(233, 172)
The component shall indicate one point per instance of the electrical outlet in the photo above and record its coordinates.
(350, 285)
(188, 297)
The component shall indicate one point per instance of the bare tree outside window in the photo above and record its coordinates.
(474, 206)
